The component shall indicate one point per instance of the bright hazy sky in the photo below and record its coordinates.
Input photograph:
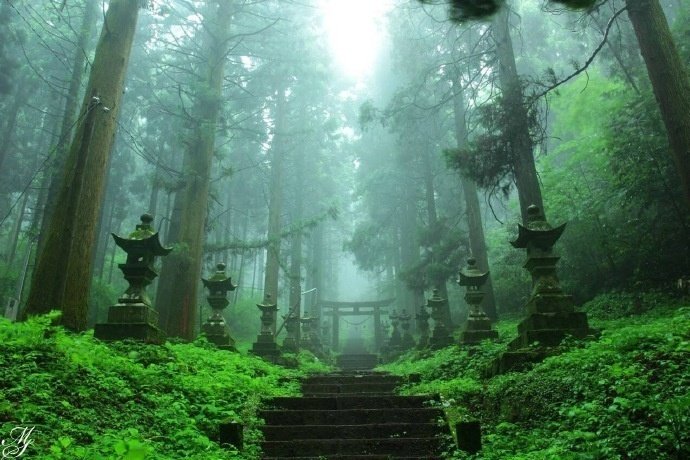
(356, 29)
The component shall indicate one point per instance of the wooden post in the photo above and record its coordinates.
(469, 436)
(232, 433)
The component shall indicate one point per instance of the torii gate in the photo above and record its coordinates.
(338, 309)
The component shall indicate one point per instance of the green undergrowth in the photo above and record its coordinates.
(90, 400)
(623, 396)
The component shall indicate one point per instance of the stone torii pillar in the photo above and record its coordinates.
(335, 337)
(378, 333)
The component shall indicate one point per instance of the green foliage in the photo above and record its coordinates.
(622, 396)
(611, 178)
(128, 400)
(510, 280)
(243, 318)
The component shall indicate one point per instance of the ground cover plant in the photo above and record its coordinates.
(623, 396)
(91, 400)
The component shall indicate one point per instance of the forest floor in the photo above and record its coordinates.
(623, 396)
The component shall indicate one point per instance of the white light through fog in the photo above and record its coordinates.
(355, 31)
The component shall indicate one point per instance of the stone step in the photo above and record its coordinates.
(351, 416)
(381, 430)
(393, 447)
(350, 378)
(357, 361)
(351, 402)
(359, 388)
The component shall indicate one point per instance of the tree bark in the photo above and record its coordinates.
(669, 79)
(63, 269)
(474, 217)
(272, 271)
(524, 169)
(432, 214)
(297, 239)
(178, 286)
(315, 272)
(56, 167)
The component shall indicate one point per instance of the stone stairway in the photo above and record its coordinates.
(352, 415)
(357, 361)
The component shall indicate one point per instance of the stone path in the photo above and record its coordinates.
(352, 415)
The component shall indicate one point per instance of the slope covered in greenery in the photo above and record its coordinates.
(624, 396)
(90, 400)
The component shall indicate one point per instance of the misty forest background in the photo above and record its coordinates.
(256, 137)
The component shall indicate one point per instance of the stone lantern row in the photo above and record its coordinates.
(550, 312)
(551, 315)
(133, 316)
(478, 325)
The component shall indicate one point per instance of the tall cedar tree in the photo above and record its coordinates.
(272, 272)
(474, 216)
(177, 290)
(669, 79)
(62, 275)
(526, 179)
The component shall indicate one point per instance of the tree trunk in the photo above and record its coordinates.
(315, 272)
(474, 217)
(10, 125)
(272, 271)
(179, 280)
(63, 268)
(526, 179)
(432, 214)
(669, 79)
(56, 167)
(16, 229)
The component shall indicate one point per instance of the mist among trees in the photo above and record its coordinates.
(331, 151)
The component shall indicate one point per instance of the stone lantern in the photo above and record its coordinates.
(310, 335)
(133, 317)
(265, 345)
(551, 312)
(292, 326)
(423, 327)
(407, 341)
(395, 342)
(478, 326)
(441, 335)
(215, 329)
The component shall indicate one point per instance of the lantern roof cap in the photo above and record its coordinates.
(219, 280)
(471, 275)
(143, 239)
(537, 230)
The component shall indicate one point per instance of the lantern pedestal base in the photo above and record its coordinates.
(440, 341)
(408, 342)
(141, 332)
(265, 347)
(130, 322)
(217, 333)
(549, 329)
(290, 345)
(478, 328)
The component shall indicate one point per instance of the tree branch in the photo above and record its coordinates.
(587, 63)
